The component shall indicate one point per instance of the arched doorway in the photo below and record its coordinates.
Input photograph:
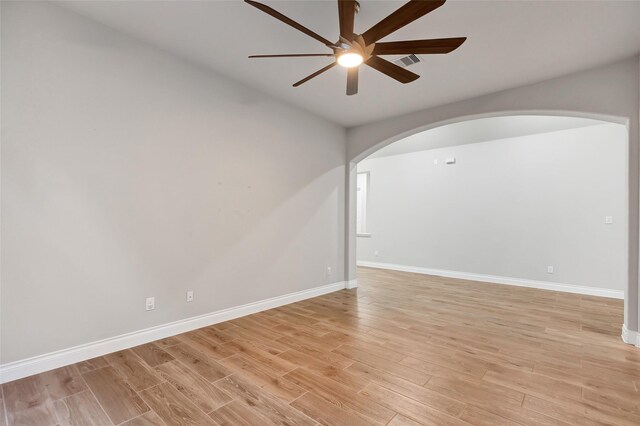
(374, 146)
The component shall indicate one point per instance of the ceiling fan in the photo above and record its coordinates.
(352, 49)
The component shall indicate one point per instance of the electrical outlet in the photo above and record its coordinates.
(376, 253)
(550, 269)
(435, 161)
(190, 296)
(329, 272)
(608, 220)
(150, 304)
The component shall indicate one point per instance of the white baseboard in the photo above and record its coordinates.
(520, 282)
(630, 337)
(352, 284)
(38, 364)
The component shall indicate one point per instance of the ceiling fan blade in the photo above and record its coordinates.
(421, 47)
(315, 74)
(266, 9)
(292, 55)
(346, 15)
(406, 14)
(392, 70)
(352, 81)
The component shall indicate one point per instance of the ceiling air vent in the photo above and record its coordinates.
(407, 61)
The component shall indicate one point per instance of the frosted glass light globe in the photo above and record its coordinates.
(350, 60)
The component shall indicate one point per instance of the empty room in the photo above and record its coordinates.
(319, 212)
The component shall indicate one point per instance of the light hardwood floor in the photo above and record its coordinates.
(403, 349)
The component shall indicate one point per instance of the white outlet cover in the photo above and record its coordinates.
(608, 220)
(550, 269)
(150, 303)
(190, 296)
(328, 270)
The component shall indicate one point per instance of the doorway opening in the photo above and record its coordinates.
(535, 201)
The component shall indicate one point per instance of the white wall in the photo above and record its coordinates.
(128, 173)
(507, 208)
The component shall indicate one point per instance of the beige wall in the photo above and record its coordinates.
(128, 173)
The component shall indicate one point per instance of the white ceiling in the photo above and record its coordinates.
(483, 130)
(510, 43)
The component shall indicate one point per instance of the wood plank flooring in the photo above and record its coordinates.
(402, 349)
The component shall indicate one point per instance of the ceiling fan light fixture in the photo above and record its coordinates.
(350, 59)
(352, 49)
